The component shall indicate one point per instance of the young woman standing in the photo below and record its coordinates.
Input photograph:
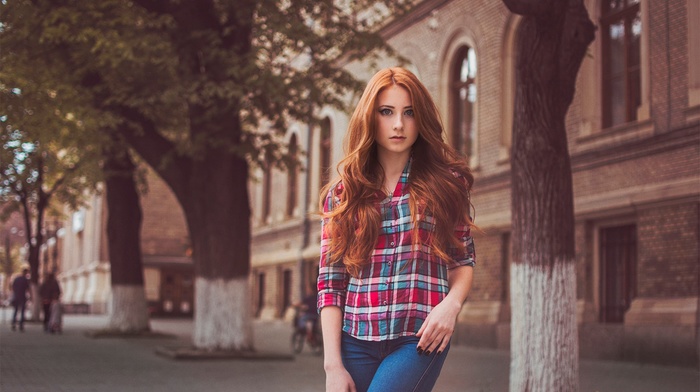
(397, 255)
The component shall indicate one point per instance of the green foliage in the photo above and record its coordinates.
(205, 74)
(49, 148)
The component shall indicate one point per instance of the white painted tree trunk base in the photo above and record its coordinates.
(544, 335)
(222, 315)
(129, 309)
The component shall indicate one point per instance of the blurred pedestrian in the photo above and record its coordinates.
(308, 316)
(50, 293)
(20, 295)
(397, 253)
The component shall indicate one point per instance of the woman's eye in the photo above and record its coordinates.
(385, 112)
(409, 112)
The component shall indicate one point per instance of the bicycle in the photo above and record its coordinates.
(300, 336)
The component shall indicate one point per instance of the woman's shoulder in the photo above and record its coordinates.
(335, 190)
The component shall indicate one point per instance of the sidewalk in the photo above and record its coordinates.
(35, 362)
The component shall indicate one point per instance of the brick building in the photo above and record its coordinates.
(634, 140)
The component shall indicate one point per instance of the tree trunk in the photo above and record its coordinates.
(211, 180)
(551, 43)
(222, 315)
(129, 310)
(36, 307)
(35, 239)
(218, 220)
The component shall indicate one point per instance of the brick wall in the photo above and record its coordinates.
(489, 277)
(668, 40)
(668, 251)
(648, 169)
(164, 230)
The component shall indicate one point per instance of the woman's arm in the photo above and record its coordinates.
(337, 378)
(436, 331)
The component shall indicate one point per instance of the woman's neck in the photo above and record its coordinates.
(393, 165)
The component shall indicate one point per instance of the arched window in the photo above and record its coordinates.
(693, 7)
(292, 177)
(508, 87)
(267, 188)
(325, 152)
(621, 31)
(463, 101)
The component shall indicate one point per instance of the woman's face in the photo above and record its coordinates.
(395, 124)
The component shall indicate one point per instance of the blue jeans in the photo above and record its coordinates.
(390, 365)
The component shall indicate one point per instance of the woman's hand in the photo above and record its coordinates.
(339, 380)
(436, 331)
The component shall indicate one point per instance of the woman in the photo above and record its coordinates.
(396, 250)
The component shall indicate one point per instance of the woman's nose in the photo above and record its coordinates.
(398, 124)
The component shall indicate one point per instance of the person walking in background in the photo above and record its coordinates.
(397, 253)
(309, 314)
(20, 295)
(50, 293)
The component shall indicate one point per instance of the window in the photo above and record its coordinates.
(463, 100)
(618, 266)
(508, 90)
(325, 152)
(693, 7)
(260, 300)
(292, 177)
(267, 188)
(504, 314)
(286, 291)
(621, 31)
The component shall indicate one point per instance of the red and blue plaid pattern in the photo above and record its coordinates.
(397, 289)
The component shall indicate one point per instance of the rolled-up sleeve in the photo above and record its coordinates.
(467, 255)
(332, 278)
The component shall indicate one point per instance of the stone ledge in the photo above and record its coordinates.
(662, 311)
(192, 353)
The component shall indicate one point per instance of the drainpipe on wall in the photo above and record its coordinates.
(305, 215)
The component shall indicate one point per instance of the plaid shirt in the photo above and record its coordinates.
(395, 290)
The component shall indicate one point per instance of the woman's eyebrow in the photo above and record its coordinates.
(389, 106)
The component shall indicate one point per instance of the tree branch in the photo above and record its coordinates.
(60, 181)
(159, 152)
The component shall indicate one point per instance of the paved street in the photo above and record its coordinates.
(35, 362)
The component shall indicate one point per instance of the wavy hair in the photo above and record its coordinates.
(440, 180)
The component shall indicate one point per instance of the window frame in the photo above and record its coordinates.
(455, 84)
(632, 103)
(292, 176)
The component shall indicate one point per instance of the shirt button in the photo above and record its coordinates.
(392, 243)
(384, 303)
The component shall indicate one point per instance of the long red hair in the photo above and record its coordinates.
(439, 182)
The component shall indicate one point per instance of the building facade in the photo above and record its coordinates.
(168, 272)
(634, 140)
